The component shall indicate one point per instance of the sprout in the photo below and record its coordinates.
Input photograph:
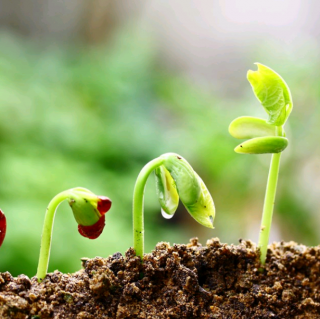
(265, 136)
(3, 227)
(89, 212)
(175, 179)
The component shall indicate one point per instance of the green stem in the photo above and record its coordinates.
(269, 202)
(138, 195)
(47, 234)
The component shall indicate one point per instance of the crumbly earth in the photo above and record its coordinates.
(179, 281)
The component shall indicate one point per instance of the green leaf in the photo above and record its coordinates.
(245, 127)
(187, 184)
(272, 92)
(84, 206)
(166, 190)
(203, 211)
(262, 145)
(192, 191)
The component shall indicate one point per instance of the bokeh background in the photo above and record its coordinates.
(91, 90)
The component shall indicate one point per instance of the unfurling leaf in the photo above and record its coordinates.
(263, 145)
(191, 189)
(203, 210)
(272, 92)
(166, 190)
(187, 184)
(245, 127)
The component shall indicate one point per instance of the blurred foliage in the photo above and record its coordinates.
(93, 116)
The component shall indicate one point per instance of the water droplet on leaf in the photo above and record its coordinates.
(165, 215)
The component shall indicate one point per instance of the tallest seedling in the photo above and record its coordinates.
(265, 136)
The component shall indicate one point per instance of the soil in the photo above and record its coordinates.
(179, 281)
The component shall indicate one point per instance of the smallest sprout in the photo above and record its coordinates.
(3, 227)
(89, 212)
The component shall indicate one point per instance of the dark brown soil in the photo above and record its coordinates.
(179, 281)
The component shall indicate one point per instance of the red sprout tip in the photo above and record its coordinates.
(104, 204)
(93, 231)
(3, 227)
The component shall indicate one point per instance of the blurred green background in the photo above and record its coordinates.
(89, 105)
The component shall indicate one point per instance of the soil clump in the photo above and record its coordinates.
(179, 281)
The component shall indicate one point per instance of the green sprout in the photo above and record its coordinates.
(3, 227)
(89, 212)
(265, 136)
(175, 179)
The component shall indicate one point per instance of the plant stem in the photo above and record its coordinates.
(269, 202)
(47, 234)
(138, 195)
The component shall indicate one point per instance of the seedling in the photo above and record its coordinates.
(3, 227)
(265, 136)
(175, 179)
(89, 212)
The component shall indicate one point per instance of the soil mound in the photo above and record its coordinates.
(179, 281)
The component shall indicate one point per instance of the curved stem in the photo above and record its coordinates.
(269, 202)
(47, 234)
(138, 194)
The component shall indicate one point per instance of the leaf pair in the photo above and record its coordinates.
(176, 179)
(264, 136)
(261, 136)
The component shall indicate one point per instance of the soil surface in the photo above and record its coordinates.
(179, 281)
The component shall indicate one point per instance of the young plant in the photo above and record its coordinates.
(175, 179)
(265, 136)
(89, 212)
(3, 227)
